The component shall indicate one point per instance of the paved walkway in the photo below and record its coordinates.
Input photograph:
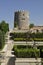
(9, 57)
(28, 43)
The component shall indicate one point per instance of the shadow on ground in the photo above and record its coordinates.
(41, 61)
(11, 61)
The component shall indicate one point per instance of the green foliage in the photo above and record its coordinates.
(18, 39)
(4, 26)
(31, 25)
(0, 63)
(41, 50)
(22, 39)
(26, 52)
(18, 35)
(40, 47)
(22, 46)
(24, 36)
(37, 35)
(2, 39)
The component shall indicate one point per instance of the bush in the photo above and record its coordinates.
(40, 47)
(0, 63)
(26, 52)
(24, 36)
(2, 39)
(22, 39)
(27, 39)
(18, 39)
(21, 46)
(41, 51)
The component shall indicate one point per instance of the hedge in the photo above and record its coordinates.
(0, 63)
(22, 39)
(42, 50)
(40, 47)
(28, 39)
(26, 52)
(22, 46)
(25, 36)
(2, 39)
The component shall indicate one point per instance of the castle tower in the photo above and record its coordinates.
(21, 20)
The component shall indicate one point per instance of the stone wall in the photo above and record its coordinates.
(28, 61)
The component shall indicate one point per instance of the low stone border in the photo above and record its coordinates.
(28, 61)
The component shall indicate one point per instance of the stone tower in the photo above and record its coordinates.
(21, 20)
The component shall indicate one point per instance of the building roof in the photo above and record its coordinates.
(37, 27)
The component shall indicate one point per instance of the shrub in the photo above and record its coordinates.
(42, 50)
(24, 36)
(2, 39)
(40, 47)
(26, 52)
(21, 46)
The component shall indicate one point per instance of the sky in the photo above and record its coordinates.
(8, 7)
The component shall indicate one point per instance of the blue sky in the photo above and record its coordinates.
(8, 7)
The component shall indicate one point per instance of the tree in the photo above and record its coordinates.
(31, 25)
(4, 26)
(2, 39)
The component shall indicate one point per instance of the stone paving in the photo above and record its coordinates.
(8, 57)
